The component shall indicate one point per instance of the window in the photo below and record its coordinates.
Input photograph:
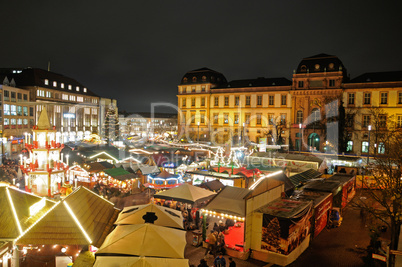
(299, 117)
(25, 122)
(350, 118)
(283, 119)
(48, 94)
(247, 100)
(62, 85)
(382, 121)
(194, 79)
(351, 100)
(80, 99)
(85, 90)
(367, 98)
(225, 118)
(203, 88)
(271, 118)
(259, 100)
(183, 102)
(237, 100)
(365, 147)
(70, 87)
(19, 121)
(283, 100)
(258, 119)
(301, 84)
(6, 109)
(203, 102)
(399, 97)
(193, 102)
(216, 101)
(25, 97)
(331, 83)
(6, 95)
(366, 120)
(13, 110)
(271, 100)
(19, 110)
(13, 97)
(72, 97)
(64, 97)
(247, 118)
(399, 121)
(384, 98)
(19, 96)
(25, 111)
(40, 93)
(54, 84)
(204, 78)
(57, 109)
(46, 82)
(6, 123)
(315, 115)
(216, 118)
(31, 111)
(77, 88)
(381, 148)
(193, 89)
(236, 118)
(202, 119)
(226, 101)
(349, 146)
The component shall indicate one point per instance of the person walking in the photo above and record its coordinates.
(220, 261)
(211, 243)
(203, 263)
(231, 262)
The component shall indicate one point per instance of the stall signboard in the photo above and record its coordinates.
(321, 213)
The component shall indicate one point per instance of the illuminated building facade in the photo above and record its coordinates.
(316, 110)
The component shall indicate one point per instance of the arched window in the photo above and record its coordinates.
(299, 117)
(204, 78)
(313, 142)
(315, 116)
(194, 79)
(185, 79)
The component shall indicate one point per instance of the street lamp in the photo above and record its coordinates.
(368, 147)
(198, 133)
(300, 137)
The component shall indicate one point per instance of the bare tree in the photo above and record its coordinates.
(274, 131)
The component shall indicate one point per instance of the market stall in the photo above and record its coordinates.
(185, 193)
(163, 180)
(238, 180)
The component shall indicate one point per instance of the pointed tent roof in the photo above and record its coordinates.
(165, 216)
(230, 200)
(185, 193)
(145, 240)
(43, 122)
(11, 224)
(115, 261)
(82, 218)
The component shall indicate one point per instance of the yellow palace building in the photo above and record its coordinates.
(319, 109)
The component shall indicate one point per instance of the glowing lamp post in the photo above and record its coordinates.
(300, 136)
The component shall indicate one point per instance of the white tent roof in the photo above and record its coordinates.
(165, 216)
(185, 193)
(111, 261)
(145, 240)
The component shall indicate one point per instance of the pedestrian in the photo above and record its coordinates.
(231, 262)
(203, 263)
(220, 261)
(211, 244)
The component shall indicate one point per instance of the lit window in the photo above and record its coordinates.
(62, 85)
(365, 146)
(225, 118)
(77, 88)
(6, 109)
(13, 110)
(70, 87)
(54, 84)
(65, 97)
(85, 90)
(46, 82)
(258, 119)
(349, 147)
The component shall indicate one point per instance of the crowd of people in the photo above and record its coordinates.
(9, 170)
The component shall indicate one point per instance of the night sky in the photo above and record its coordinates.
(138, 51)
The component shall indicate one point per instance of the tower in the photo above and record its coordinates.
(44, 170)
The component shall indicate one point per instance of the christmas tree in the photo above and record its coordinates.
(110, 128)
(271, 234)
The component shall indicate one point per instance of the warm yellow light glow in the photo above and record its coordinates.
(77, 222)
(14, 211)
(35, 208)
(262, 178)
(105, 154)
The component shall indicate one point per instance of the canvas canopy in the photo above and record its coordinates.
(164, 216)
(230, 200)
(145, 240)
(185, 193)
(111, 261)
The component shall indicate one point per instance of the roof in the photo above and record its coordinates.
(321, 63)
(303, 177)
(324, 186)
(185, 193)
(36, 77)
(203, 75)
(316, 197)
(165, 175)
(43, 122)
(150, 115)
(21, 201)
(372, 77)
(98, 166)
(259, 82)
(120, 174)
(342, 178)
(285, 208)
(230, 200)
(93, 213)
(214, 185)
(219, 175)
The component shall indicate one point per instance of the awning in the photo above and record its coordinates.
(303, 177)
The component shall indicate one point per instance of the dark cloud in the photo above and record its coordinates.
(137, 51)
